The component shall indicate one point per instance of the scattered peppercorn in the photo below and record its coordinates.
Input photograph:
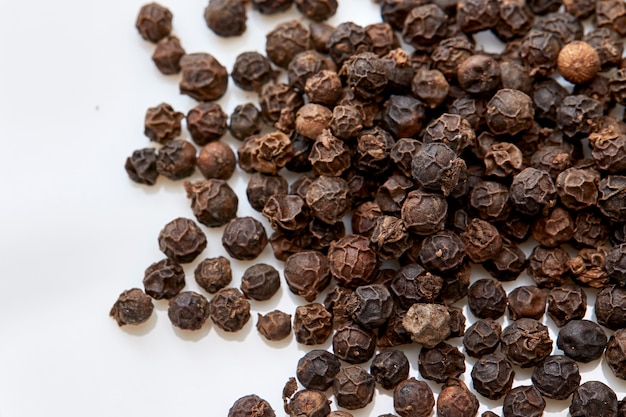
(182, 240)
(275, 325)
(317, 370)
(593, 398)
(413, 398)
(134, 307)
(154, 22)
(167, 55)
(213, 274)
(251, 405)
(188, 310)
(389, 368)
(229, 309)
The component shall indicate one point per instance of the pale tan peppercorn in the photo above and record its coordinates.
(578, 62)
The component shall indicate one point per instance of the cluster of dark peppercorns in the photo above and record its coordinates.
(443, 156)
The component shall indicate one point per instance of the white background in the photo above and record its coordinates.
(75, 82)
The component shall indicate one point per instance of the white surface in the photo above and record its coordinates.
(75, 81)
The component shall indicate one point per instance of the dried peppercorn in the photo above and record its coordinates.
(578, 62)
(562, 24)
(391, 194)
(532, 191)
(479, 74)
(526, 301)
(245, 121)
(577, 113)
(167, 55)
(482, 337)
(134, 307)
(526, 342)
(616, 353)
(610, 153)
(164, 279)
(329, 198)
(347, 39)
(154, 22)
(507, 264)
(441, 362)
(337, 301)
(354, 344)
(577, 188)
(390, 237)
(424, 26)
(229, 309)
(266, 154)
(502, 159)
(371, 305)
(611, 13)
(176, 160)
(213, 274)
(411, 284)
(556, 228)
(204, 78)
(612, 197)
(403, 116)
(226, 17)
(301, 149)
(261, 187)
(306, 64)
(516, 19)
(365, 74)
(482, 240)
(389, 368)
(206, 122)
(557, 377)
(317, 10)
(244, 238)
(286, 213)
(492, 376)
(251, 405)
(182, 240)
(477, 15)
(383, 38)
(424, 213)
(373, 150)
(216, 160)
(162, 123)
(610, 307)
(566, 303)
(213, 202)
(188, 310)
(307, 273)
(591, 229)
(275, 325)
(593, 398)
(588, 267)
(353, 387)
(582, 340)
(430, 86)
(509, 112)
(323, 87)
(548, 267)
(539, 51)
(437, 167)
(523, 401)
(251, 71)
(285, 41)
(413, 398)
(317, 370)
(308, 403)
(456, 400)
(450, 53)
(352, 261)
(490, 200)
(442, 252)
(487, 299)
(312, 120)
(141, 166)
(260, 282)
(428, 324)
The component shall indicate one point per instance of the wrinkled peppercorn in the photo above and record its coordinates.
(492, 376)
(329, 198)
(317, 370)
(566, 303)
(275, 325)
(213, 274)
(441, 362)
(582, 340)
(286, 213)
(616, 353)
(176, 160)
(413, 398)
(593, 398)
(487, 299)
(154, 22)
(251, 405)
(229, 309)
(188, 310)
(442, 252)
(204, 78)
(526, 342)
(182, 240)
(164, 279)
(507, 264)
(610, 307)
(412, 284)
(353, 387)
(371, 305)
(523, 401)
(244, 238)
(509, 112)
(437, 167)
(557, 377)
(482, 240)
(428, 324)
(206, 122)
(167, 55)
(266, 154)
(308, 403)
(245, 121)
(261, 187)
(213, 202)
(134, 307)
(354, 344)
(389, 368)
(482, 337)
(526, 301)
(430, 86)
(251, 71)
(141, 166)
(286, 41)
(456, 400)
(162, 123)
(577, 113)
(307, 273)
(226, 17)
(260, 282)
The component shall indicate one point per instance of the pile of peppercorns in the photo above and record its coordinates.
(444, 156)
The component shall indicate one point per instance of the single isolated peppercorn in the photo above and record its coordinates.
(176, 159)
(213, 274)
(251, 405)
(134, 307)
(226, 18)
(162, 123)
(182, 240)
(188, 310)
(229, 309)
(213, 202)
(141, 166)
(275, 325)
(413, 398)
(154, 22)
(164, 279)
(167, 55)
(206, 122)
(389, 368)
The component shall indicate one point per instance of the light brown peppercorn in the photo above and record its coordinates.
(428, 324)
(275, 325)
(578, 62)
(216, 160)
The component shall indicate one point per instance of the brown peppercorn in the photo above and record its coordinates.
(132, 307)
(430, 86)
(251, 71)
(487, 299)
(164, 279)
(306, 64)
(492, 376)
(365, 75)
(154, 22)
(206, 122)
(307, 273)
(260, 282)
(346, 40)
(213, 202)
(213, 274)
(261, 187)
(424, 26)
(383, 38)
(577, 188)
(557, 377)
(533, 191)
(509, 112)
(371, 305)
(564, 25)
(176, 160)
(523, 401)
(317, 10)
(329, 199)
(548, 267)
(216, 160)
(482, 337)
(323, 234)
(539, 51)
(482, 240)
(437, 167)
(526, 342)
(591, 229)
(577, 114)
(286, 213)
(167, 55)
(428, 324)
(329, 155)
(412, 284)
(274, 326)
(479, 74)
(312, 119)
(389, 368)
(588, 267)
(612, 197)
(610, 307)
(593, 398)
(441, 362)
(226, 17)
(317, 369)
(320, 34)
(456, 400)
(141, 166)
(285, 41)
(442, 252)
(308, 403)
(516, 19)
(188, 310)
(490, 200)
(266, 154)
(413, 398)
(245, 121)
(403, 116)
(229, 309)
(566, 303)
(424, 213)
(352, 261)
(554, 229)
(312, 324)
(353, 387)
(390, 237)
(578, 62)
(582, 340)
(372, 151)
(204, 78)
(162, 123)
(616, 353)
(251, 405)
(354, 344)
(610, 153)
(323, 87)
(526, 301)
(244, 238)
(611, 13)
(182, 240)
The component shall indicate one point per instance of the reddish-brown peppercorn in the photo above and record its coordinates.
(162, 123)
(526, 342)
(154, 22)
(413, 398)
(182, 240)
(226, 17)
(274, 325)
(307, 273)
(216, 160)
(204, 78)
(167, 55)
(132, 307)
(353, 387)
(188, 310)
(213, 274)
(229, 309)
(213, 202)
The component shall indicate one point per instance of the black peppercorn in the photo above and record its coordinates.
(389, 368)
(213, 274)
(260, 282)
(167, 55)
(141, 166)
(557, 377)
(182, 240)
(413, 398)
(492, 376)
(275, 325)
(353, 387)
(154, 22)
(582, 340)
(317, 370)
(176, 160)
(354, 344)
(441, 362)
(164, 279)
(593, 398)
(307, 273)
(134, 307)
(523, 401)
(616, 353)
(226, 17)
(229, 309)
(188, 310)
(482, 337)
(244, 238)
(526, 342)
(162, 123)
(251, 405)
